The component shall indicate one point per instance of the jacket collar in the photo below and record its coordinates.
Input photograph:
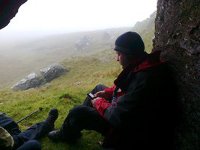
(125, 77)
(152, 60)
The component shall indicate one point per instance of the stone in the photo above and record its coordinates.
(53, 71)
(31, 81)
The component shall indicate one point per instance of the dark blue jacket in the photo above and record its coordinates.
(145, 115)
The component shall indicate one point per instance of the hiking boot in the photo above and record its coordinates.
(53, 115)
(55, 135)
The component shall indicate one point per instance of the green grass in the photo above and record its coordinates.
(63, 93)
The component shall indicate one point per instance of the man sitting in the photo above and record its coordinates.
(138, 112)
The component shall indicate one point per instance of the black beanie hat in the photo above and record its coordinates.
(130, 43)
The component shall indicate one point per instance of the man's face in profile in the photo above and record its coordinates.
(8, 10)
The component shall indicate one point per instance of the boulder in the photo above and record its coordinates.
(53, 71)
(31, 81)
(34, 80)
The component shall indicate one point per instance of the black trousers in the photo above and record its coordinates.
(30, 135)
(84, 117)
(33, 133)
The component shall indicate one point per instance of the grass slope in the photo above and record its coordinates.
(63, 93)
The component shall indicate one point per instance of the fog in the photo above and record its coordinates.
(38, 18)
(59, 16)
(45, 31)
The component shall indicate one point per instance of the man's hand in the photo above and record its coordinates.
(102, 94)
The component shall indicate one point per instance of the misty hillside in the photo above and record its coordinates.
(20, 58)
(146, 29)
(26, 55)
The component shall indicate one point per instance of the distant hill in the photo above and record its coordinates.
(146, 29)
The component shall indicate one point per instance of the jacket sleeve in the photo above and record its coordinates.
(101, 105)
(110, 90)
(129, 103)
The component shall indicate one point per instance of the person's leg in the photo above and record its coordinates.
(9, 124)
(99, 87)
(79, 118)
(30, 145)
(38, 130)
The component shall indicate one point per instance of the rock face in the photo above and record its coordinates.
(33, 80)
(8, 11)
(53, 71)
(177, 34)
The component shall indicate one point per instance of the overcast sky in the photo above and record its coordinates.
(79, 15)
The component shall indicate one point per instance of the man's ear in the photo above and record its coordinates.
(8, 9)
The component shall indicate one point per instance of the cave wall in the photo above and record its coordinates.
(8, 9)
(177, 35)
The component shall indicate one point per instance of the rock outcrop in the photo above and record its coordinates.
(34, 80)
(51, 72)
(177, 34)
(31, 81)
